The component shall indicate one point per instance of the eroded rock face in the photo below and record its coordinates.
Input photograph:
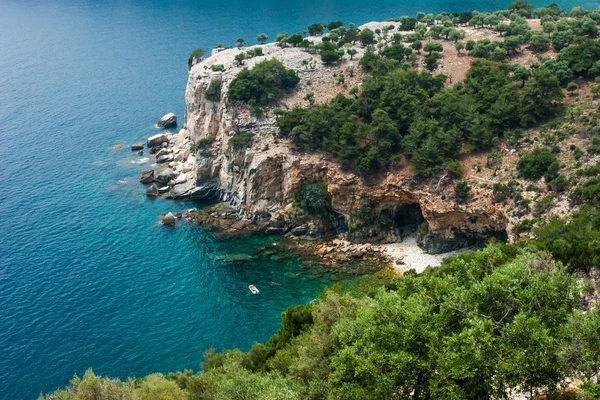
(260, 182)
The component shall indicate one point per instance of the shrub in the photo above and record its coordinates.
(205, 142)
(313, 196)
(262, 83)
(217, 67)
(198, 54)
(543, 205)
(462, 190)
(525, 225)
(559, 184)
(213, 92)
(241, 141)
(500, 191)
(540, 162)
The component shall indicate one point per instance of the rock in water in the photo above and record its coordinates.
(118, 146)
(167, 121)
(152, 191)
(147, 176)
(157, 140)
(169, 219)
(137, 146)
(141, 153)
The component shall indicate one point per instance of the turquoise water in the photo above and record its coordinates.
(88, 278)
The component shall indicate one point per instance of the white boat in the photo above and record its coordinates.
(253, 289)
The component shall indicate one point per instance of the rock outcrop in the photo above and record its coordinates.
(260, 181)
(167, 121)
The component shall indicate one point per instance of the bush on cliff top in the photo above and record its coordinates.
(261, 84)
(198, 54)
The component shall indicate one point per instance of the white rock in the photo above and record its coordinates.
(157, 140)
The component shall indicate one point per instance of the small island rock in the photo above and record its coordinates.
(168, 120)
(137, 146)
(169, 219)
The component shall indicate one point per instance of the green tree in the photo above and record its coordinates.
(540, 162)
(417, 45)
(572, 87)
(521, 7)
(295, 39)
(240, 42)
(262, 38)
(367, 37)
(262, 83)
(351, 52)
(432, 46)
(316, 29)
(459, 46)
(538, 42)
(240, 58)
(522, 74)
(548, 28)
(282, 38)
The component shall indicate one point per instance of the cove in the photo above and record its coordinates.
(88, 278)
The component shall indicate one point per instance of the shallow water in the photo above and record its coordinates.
(88, 278)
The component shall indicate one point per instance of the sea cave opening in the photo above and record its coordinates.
(402, 219)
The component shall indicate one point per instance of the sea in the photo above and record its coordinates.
(88, 276)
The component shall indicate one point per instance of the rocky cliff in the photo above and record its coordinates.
(260, 180)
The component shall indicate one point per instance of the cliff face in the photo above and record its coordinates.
(261, 180)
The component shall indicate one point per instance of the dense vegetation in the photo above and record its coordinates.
(485, 323)
(408, 112)
(261, 84)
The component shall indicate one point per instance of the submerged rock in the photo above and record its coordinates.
(118, 146)
(168, 219)
(168, 120)
(140, 153)
(147, 176)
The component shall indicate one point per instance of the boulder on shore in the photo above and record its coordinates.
(147, 176)
(167, 121)
(169, 219)
(164, 176)
(157, 140)
(164, 158)
(137, 146)
(152, 191)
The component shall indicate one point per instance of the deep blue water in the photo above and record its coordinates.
(87, 276)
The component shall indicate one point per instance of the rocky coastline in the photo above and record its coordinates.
(255, 186)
